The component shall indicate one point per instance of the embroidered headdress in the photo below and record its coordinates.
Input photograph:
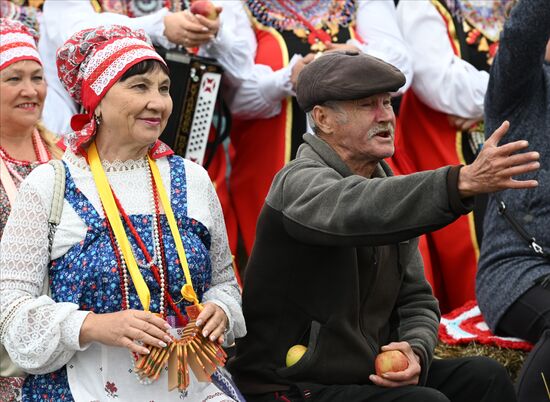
(91, 62)
(17, 42)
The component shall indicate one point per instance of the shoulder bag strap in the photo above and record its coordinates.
(56, 210)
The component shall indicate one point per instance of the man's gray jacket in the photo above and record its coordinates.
(336, 267)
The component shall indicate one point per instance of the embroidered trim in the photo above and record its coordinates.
(103, 81)
(13, 309)
(465, 324)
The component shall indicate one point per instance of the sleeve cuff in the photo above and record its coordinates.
(277, 86)
(229, 337)
(424, 363)
(70, 330)
(157, 29)
(220, 43)
(458, 205)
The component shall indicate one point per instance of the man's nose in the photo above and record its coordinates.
(384, 113)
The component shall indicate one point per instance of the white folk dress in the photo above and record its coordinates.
(41, 333)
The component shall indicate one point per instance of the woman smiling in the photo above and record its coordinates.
(140, 229)
(24, 143)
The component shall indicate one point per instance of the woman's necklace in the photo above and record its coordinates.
(149, 262)
(9, 166)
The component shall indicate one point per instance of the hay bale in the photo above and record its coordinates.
(512, 359)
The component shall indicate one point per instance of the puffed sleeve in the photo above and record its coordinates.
(254, 90)
(77, 15)
(442, 80)
(204, 205)
(377, 26)
(39, 335)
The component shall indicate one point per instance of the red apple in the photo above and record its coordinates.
(205, 8)
(390, 360)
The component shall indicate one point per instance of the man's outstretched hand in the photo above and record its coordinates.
(495, 166)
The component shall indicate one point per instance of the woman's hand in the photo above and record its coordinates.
(184, 28)
(214, 322)
(123, 328)
(298, 67)
(409, 376)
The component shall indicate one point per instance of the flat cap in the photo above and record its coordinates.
(345, 76)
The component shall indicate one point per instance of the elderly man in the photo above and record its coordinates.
(335, 265)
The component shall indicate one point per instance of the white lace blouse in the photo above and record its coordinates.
(41, 335)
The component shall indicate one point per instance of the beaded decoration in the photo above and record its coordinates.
(482, 22)
(302, 18)
(137, 8)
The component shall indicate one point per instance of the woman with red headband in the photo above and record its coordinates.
(141, 238)
(24, 142)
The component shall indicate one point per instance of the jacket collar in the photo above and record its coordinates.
(332, 159)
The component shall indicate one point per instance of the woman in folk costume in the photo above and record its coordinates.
(140, 228)
(24, 143)
(281, 37)
(453, 43)
(168, 27)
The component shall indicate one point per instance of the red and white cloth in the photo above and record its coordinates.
(17, 42)
(466, 324)
(91, 62)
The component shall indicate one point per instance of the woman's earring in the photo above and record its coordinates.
(97, 119)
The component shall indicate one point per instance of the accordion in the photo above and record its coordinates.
(195, 84)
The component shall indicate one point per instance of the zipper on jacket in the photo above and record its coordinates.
(361, 307)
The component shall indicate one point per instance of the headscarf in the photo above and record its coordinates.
(91, 62)
(17, 42)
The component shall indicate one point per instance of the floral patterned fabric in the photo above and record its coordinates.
(88, 275)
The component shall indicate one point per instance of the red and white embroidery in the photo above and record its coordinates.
(91, 62)
(16, 43)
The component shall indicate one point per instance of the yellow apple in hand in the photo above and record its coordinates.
(390, 360)
(294, 354)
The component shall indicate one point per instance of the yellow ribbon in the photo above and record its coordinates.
(111, 210)
(187, 290)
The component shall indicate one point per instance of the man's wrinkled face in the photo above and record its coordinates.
(365, 128)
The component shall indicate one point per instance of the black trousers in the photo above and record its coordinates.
(529, 318)
(475, 379)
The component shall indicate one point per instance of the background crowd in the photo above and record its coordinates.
(466, 65)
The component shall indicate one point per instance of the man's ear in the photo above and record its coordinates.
(324, 119)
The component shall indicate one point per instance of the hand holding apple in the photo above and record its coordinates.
(205, 8)
(400, 368)
(191, 30)
(390, 361)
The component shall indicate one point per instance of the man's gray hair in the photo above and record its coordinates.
(334, 105)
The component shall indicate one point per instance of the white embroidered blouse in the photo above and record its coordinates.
(42, 336)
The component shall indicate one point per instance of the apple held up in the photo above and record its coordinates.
(294, 354)
(205, 8)
(390, 361)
